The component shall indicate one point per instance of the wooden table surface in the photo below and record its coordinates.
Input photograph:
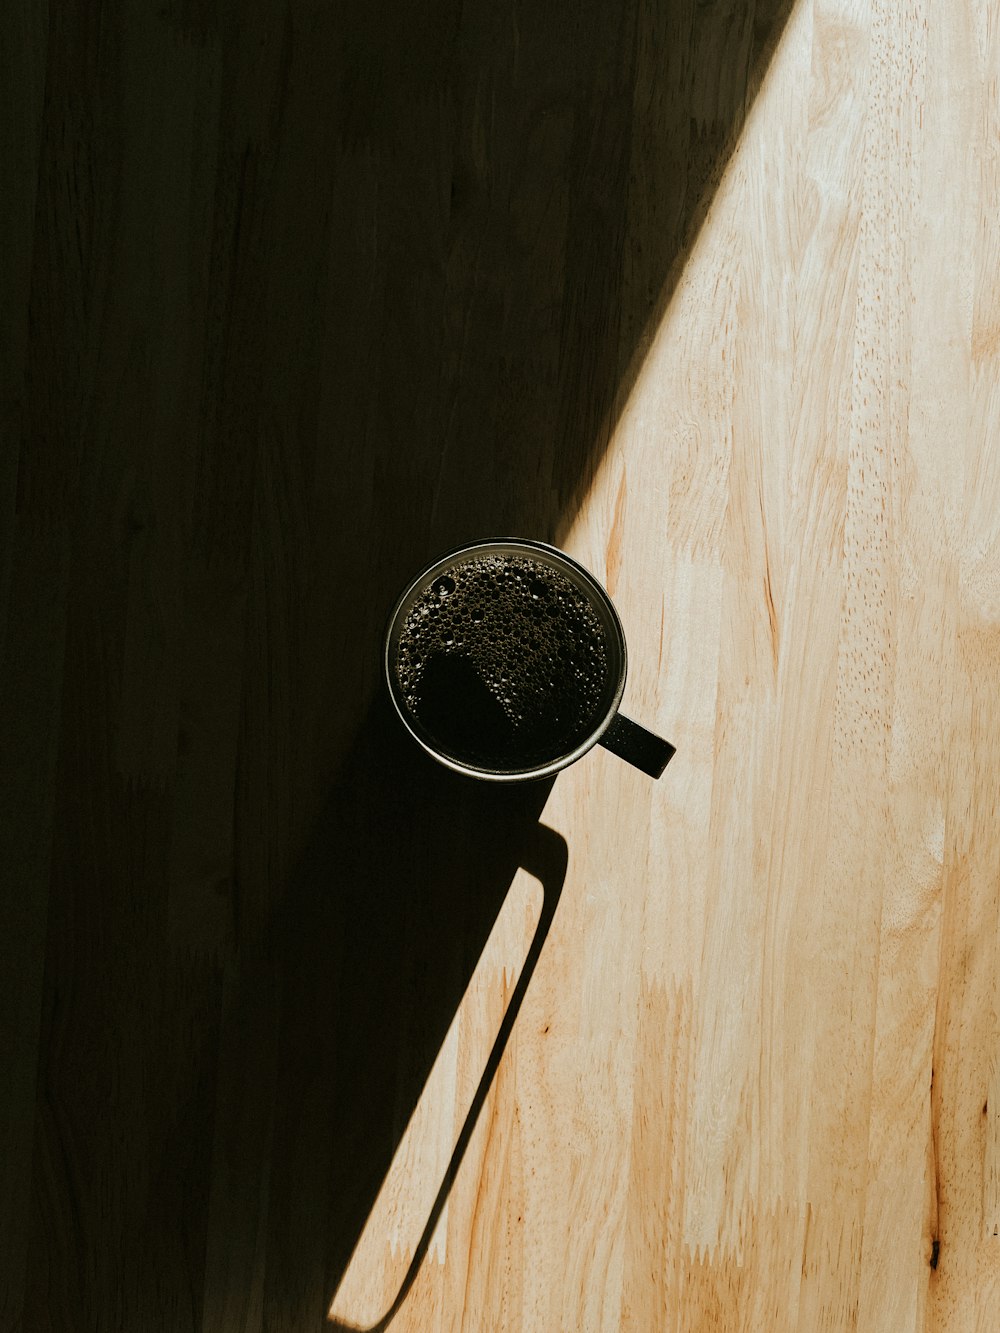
(297, 296)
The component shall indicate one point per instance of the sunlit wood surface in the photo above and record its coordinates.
(298, 297)
(754, 1084)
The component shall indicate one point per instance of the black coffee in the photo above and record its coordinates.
(503, 662)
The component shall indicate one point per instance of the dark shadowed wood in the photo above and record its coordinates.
(295, 295)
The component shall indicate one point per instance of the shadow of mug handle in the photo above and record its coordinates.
(546, 858)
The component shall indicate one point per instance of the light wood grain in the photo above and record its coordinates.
(296, 297)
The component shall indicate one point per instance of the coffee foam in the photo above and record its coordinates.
(529, 635)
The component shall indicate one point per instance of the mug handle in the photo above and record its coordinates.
(637, 746)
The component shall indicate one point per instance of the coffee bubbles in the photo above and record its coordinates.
(503, 661)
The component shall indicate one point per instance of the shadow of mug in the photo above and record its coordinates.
(404, 878)
(544, 857)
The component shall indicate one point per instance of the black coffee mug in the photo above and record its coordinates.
(484, 615)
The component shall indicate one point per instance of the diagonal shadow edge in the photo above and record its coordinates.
(758, 68)
(760, 59)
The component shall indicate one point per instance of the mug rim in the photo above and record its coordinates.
(593, 587)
